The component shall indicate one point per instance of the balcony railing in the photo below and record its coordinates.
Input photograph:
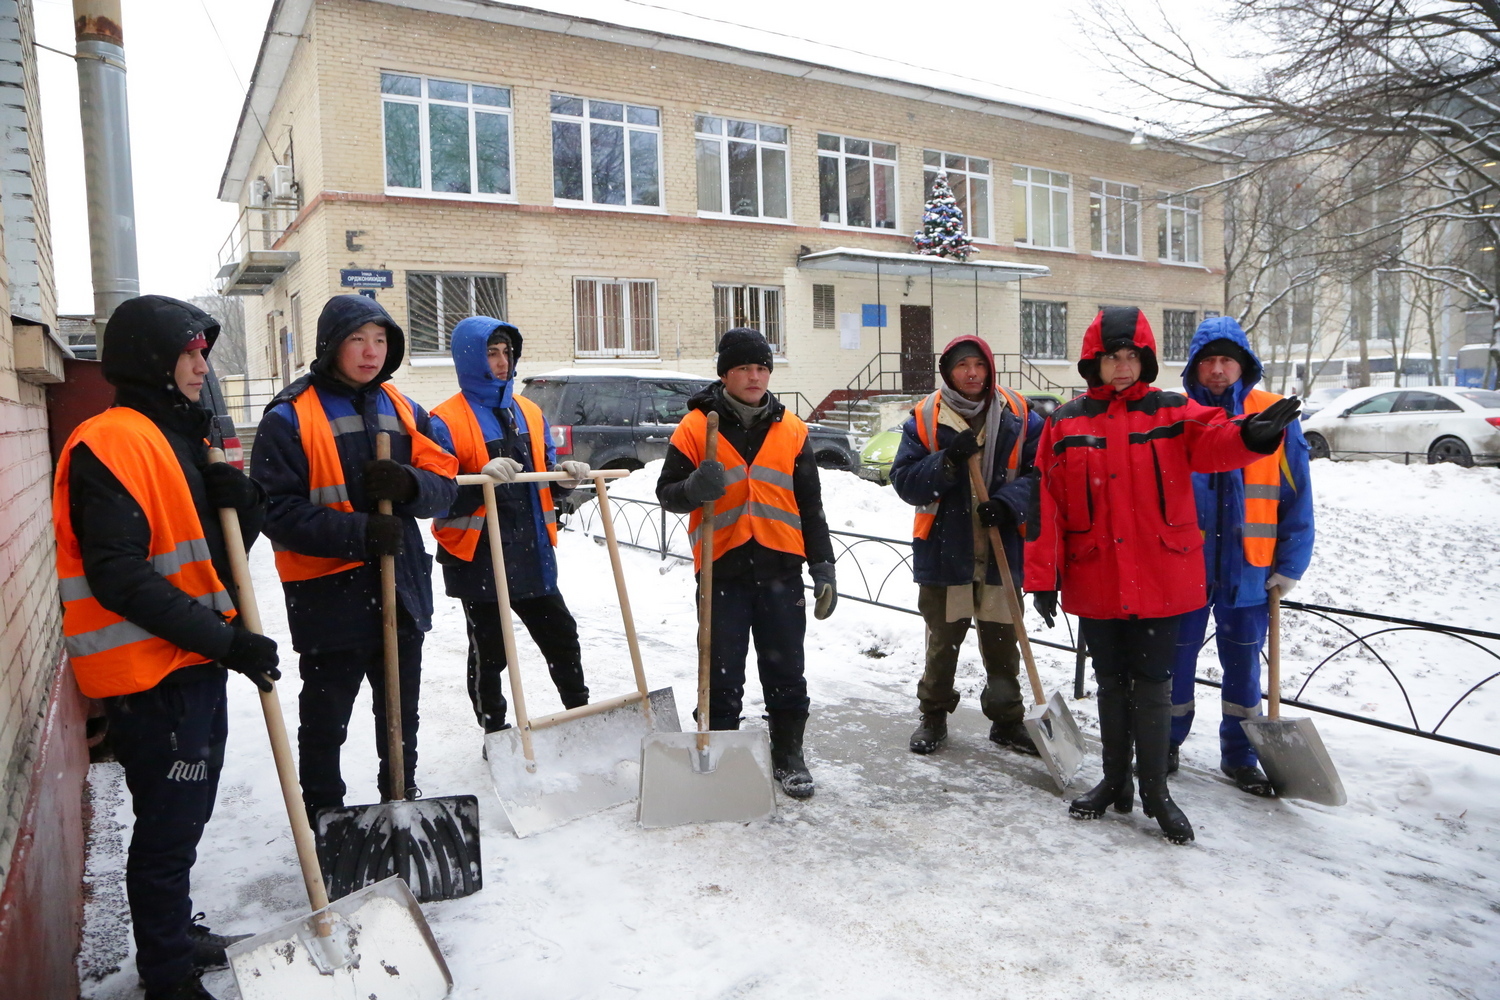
(249, 260)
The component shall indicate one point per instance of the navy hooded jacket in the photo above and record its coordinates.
(1220, 496)
(530, 562)
(342, 610)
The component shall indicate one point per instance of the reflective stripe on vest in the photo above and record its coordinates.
(926, 414)
(1263, 492)
(325, 470)
(759, 500)
(460, 534)
(110, 655)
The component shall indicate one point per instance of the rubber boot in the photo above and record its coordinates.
(931, 734)
(1151, 718)
(1114, 733)
(787, 765)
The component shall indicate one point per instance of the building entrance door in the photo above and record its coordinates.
(916, 349)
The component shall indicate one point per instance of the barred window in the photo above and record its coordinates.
(1177, 332)
(825, 314)
(436, 302)
(755, 306)
(1044, 329)
(614, 318)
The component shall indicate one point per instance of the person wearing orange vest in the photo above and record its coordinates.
(768, 521)
(315, 455)
(492, 429)
(958, 580)
(1258, 533)
(149, 613)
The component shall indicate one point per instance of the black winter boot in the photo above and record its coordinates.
(190, 987)
(931, 734)
(208, 947)
(786, 753)
(1151, 717)
(1114, 733)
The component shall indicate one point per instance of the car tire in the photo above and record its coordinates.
(1450, 449)
(628, 464)
(832, 460)
(1317, 446)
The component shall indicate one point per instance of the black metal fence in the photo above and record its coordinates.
(876, 570)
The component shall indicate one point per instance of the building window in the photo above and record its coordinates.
(1179, 228)
(605, 153)
(969, 177)
(436, 302)
(1044, 329)
(1388, 305)
(614, 318)
(825, 313)
(1041, 207)
(446, 138)
(1115, 218)
(294, 308)
(741, 168)
(857, 182)
(1177, 332)
(755, 306)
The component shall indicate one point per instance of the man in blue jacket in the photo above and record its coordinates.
(1258, 534)
(957, 575)
(315, 455)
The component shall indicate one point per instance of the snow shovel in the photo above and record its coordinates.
(432, 843)
(560, 767)
(1049, 722)
(372, 942)
(1291, 750)
(703, 776)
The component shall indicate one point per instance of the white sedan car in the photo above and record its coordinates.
(1444, 423)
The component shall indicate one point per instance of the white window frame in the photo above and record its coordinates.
(762, 293)
(627, 318)
(841, 156)
(1053, 189)
(464, 311)
(585, 140)
(423, 103)
(1184, 209)
(701, 123)
(963, 175)
(1108, 193)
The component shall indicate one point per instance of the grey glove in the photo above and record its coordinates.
(1286, 583)
(502, 470)
(579, 471)
(825, 589)
(706, 483)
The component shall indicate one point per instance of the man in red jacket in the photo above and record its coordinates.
(1118, 533)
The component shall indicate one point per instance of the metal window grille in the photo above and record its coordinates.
(1044, 329)
(614, 318)
(1177, 332)
(825, 313)
(755, 306)
(436, 302)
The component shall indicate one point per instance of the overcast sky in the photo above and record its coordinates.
(190, 60)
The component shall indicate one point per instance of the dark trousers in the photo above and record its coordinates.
(555, 633)
(170, 740)
(1133, 659)
(775, 613)
(330, 682)
(1001, 698)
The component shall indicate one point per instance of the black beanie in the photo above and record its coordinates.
(743, 346)
(510, 335)
(1223, 348)
(955, 354)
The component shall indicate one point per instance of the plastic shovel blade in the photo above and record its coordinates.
(380, 946)
(431, 843)
(582, 765)
(1293, 755)
(734, 785)
(1056, 735)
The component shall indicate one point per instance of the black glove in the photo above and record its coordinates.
(383, 533)
(387, 480)
(994, 514)
(227, 486)
(706, 483)
(963, 446)
(1045, 602)
(1261, 431)
(254, 656)
(825, 590)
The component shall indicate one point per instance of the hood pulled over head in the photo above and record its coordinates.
(1116, 327)
(966, 346)
(1221, 335)
(142, 342)
(341, 316)
(470, 346)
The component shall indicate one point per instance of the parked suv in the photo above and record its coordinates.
(619, 419)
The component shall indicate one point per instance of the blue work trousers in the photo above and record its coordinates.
(1239, 634)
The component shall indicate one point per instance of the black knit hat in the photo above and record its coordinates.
(508, 333)
(743, 346)
(1223, 348)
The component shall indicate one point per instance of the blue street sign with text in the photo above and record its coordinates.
(353, 277)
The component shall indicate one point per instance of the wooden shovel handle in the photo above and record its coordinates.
(395, 752)
(507, 627)
(270, 706)
(706, 588)
(1273, 655)
(1012, 597)
(606, 517)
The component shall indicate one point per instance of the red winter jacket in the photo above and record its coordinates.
(1118, 523)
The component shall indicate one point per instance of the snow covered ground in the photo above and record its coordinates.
(960, 874)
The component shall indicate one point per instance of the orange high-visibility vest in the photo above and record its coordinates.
(759, 500)
(1263, 491)
(111, 655)
(325, 474)
(926, 413)
(460, 534)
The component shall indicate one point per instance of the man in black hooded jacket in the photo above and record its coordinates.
(169, 736)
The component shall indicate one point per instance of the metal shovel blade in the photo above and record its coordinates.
(1056, 735)
(582, 765)
(733, 785)
(431, 843)
(380, 947)
(1293, 755)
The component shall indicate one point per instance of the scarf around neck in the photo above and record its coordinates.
(993, 409)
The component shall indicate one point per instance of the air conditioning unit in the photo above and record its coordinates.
(260, 191)
(283, 186)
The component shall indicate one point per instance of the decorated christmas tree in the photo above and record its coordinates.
(943, 232)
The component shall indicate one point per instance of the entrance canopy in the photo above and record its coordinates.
(887, 263)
